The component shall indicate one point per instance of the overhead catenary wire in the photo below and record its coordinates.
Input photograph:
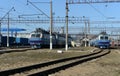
(21, 4)
(37, 8)
(97, 11)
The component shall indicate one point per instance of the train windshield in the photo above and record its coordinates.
(101, 37)
(33, 35)
(36, 35)
(106, 38)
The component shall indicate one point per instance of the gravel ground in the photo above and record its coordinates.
(108, 65)
(30, 57)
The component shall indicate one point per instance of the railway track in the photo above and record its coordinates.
(9, 50)
(47, 68)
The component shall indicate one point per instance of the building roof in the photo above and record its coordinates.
(13, 29)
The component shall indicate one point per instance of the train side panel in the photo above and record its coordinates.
(22, 41)
(4, 41)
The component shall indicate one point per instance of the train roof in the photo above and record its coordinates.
(47, 32)
(40, 30)
(103, 33)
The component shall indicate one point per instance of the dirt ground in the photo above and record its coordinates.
(30, 57)
(108, 65)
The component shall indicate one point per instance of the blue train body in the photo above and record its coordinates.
(21, 41)
(13, 41)
(41, 38)
(102, 41)
(4, 41)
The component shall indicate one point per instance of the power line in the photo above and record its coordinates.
(97, 10)
(37, 8)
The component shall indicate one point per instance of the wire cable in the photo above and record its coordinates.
(97, 10)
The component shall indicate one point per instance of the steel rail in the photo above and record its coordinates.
(36, 66)
(63, 67)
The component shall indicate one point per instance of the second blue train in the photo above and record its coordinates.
(102, 41)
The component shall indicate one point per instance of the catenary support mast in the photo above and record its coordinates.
(82, 2)
(51, 25)
(66, 25)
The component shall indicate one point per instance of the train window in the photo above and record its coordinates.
(33, 35)
(106, 38)
(37, 35)
(101, 37)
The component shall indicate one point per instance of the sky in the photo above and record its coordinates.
(98, 11)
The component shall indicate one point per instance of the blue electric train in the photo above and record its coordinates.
(102, 41)
(41, 38)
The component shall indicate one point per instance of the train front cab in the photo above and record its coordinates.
(103, 41)
(35, 40)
